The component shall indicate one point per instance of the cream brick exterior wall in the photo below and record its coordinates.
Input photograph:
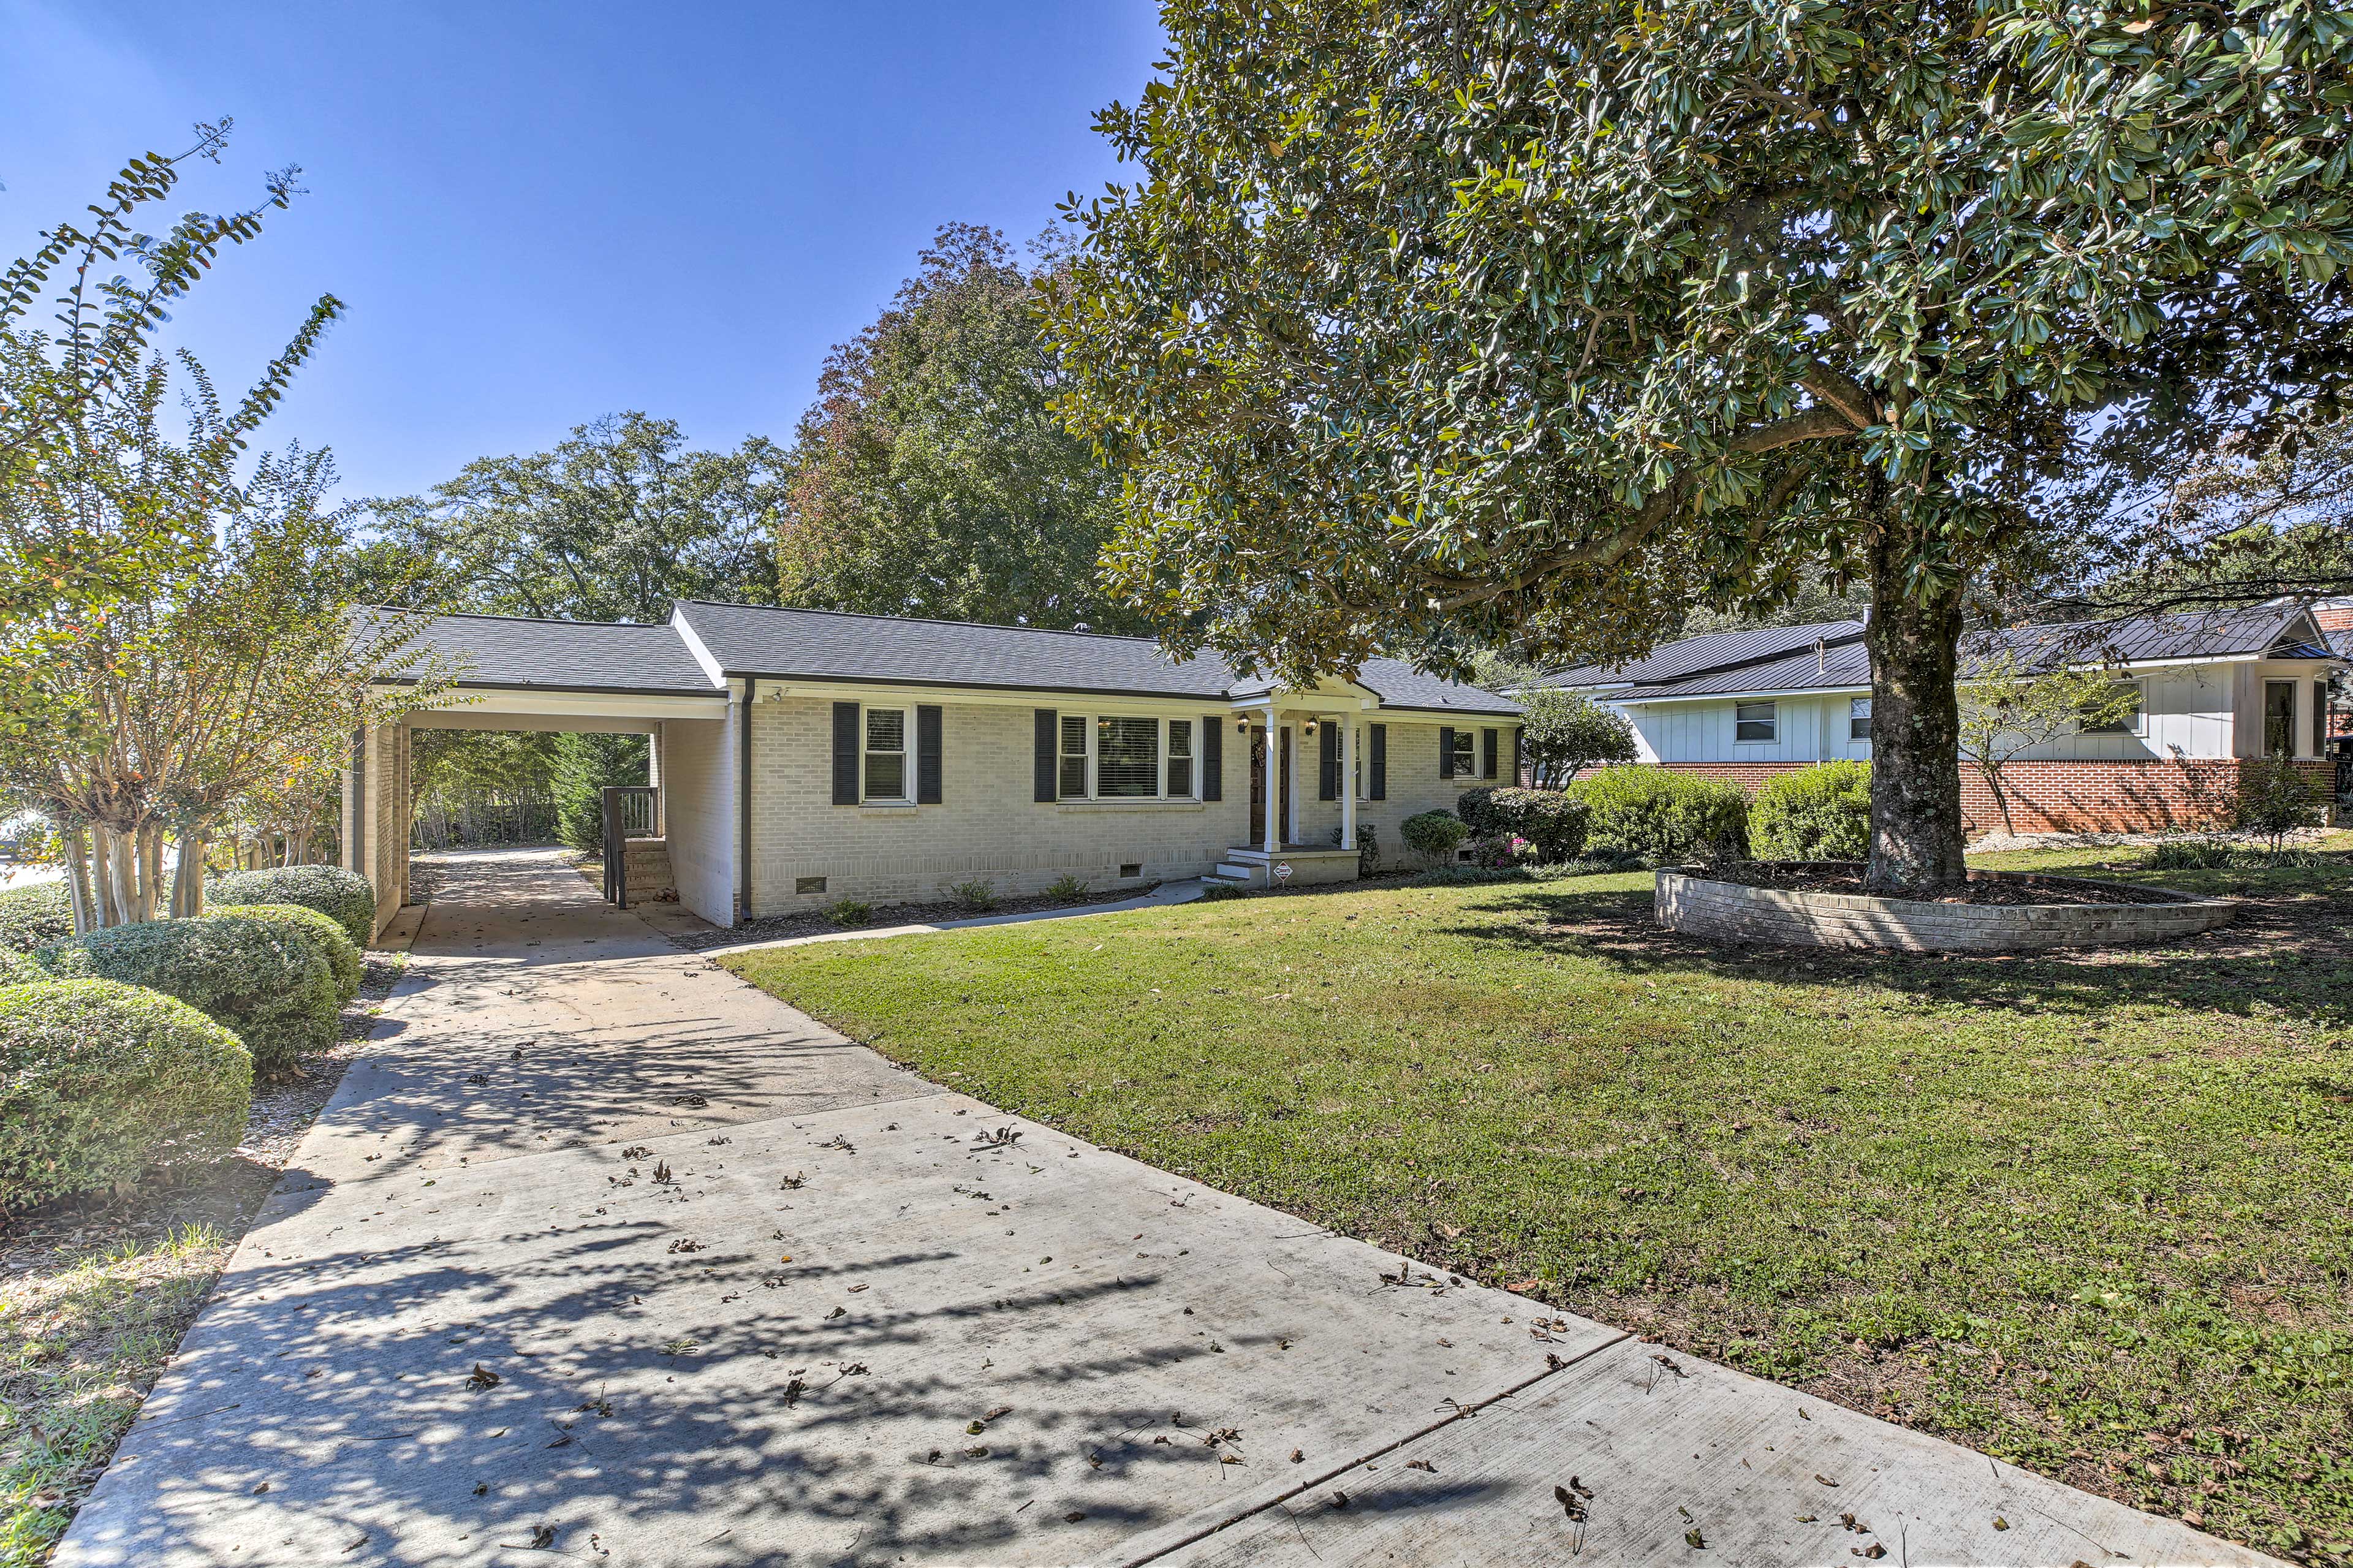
(988, 827)
(699, 769)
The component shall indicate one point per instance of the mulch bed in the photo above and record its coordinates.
(2005, 889)
(817, 922)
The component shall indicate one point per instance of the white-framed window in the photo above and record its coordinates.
(1858, 719)
(1180, 759)
(1127, 756)
(889, 769)
(1755, 721)
(1072, 781)
(1466, 754)
(2134, 723)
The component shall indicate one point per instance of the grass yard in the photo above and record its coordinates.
(2091, 1214)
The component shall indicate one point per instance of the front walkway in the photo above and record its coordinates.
(604, 1252)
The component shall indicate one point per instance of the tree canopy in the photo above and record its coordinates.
(1536, 321)
(931, 478)
(612, 523)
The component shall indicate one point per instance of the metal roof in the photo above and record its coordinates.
(1717, 650)
(1844, 665)
(508, 652)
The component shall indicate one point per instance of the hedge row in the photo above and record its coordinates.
(345, 897)
(101, 1080)
(1663, 815)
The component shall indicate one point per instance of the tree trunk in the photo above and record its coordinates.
(85, 914)
(188, 879)
(1916, 727)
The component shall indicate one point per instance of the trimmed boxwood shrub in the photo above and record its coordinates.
(1553, 820)
(1436, 833)
(19, 969)
(1663, 815)
(345, 897)
(1815, 814)
(35, 916)
(100, 1081)
(256, 978)
(320, 932)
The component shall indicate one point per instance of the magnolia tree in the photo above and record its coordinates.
(1481, 321)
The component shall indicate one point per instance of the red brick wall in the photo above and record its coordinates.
(2078, 797)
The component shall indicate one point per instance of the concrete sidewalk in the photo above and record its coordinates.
(603, 1253)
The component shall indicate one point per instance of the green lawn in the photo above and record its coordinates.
(2091, 1214)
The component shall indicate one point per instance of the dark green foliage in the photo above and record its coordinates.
(345, 897)
(1663, 815)
(1564, 732)
(1817, 814)
(35, 916)
(263, 984)
(316, 932)
(619, 520)
(931, 478)
(19, 969)
(102, 1080)
(1553, 821)
(585, 765)
(1434, 832)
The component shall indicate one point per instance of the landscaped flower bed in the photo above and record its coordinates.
(1824, 903)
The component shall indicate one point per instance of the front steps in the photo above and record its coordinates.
(1309, 865)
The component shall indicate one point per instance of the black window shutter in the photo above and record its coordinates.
(1213, 757)
(1327, 762)
(845, 754)
(1486, 754)
(1446, 752)
(927, 755)
(1042, 776)
(1377, 768)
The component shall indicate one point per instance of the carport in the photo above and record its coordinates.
(544, 675)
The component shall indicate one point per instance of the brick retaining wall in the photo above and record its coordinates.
(2113, 796)
(1780, 917)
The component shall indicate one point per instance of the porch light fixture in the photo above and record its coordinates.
(1310, 726)
(1241, 725)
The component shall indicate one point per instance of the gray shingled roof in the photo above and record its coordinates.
(1845, 666)
(818, 645)
(507, 652)
(750, 639)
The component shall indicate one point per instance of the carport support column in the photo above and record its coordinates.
(1273, 790)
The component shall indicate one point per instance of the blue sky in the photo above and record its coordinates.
(539, 213)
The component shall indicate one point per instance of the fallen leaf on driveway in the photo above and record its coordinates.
(484, 1377)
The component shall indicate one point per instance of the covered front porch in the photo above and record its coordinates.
(1305, 828)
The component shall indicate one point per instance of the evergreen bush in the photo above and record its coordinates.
(35, 916)
(318, 931)
(1665, 816)
(1436, 834)
(253, 977)
(345, 897)
(100, 1081)
(1819, 813)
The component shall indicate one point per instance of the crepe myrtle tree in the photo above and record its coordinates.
(1476, 320)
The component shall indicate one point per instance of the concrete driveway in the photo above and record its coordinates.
(601, 1255)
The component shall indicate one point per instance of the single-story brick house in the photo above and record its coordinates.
(803, 756)
(2218, 692)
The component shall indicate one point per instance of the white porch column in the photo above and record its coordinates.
(1273, 783)
(1347, 783)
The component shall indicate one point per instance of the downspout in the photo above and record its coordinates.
(744, 808)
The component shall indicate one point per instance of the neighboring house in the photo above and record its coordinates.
(2217, 692)
(803, 756)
